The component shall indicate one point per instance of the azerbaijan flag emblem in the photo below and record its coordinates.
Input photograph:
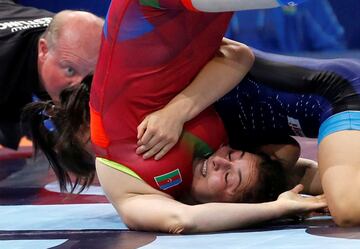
(168, 180)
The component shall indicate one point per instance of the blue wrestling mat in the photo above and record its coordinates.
(34, 215)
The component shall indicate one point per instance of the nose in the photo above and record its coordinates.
(220, 163)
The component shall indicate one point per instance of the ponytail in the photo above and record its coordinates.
(61, 132)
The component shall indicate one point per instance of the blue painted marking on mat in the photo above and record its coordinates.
(28, 244)
(59, 217)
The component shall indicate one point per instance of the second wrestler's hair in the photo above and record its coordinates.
(64, 143)
(271, 181)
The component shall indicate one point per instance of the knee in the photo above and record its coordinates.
(346, 213)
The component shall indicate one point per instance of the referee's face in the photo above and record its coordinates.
(63, 64)
(67, 60)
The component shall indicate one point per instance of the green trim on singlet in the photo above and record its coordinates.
(201, 149)
(118, 167)
(152, 3)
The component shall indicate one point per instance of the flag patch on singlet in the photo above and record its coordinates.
(168, 180)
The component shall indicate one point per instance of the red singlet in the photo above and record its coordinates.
(151, 50)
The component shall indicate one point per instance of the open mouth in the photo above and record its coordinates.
(204, 168)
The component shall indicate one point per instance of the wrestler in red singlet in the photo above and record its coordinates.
(151, 50)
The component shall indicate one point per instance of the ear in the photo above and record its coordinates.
(43, 49)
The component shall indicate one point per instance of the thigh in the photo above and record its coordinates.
(339, 165)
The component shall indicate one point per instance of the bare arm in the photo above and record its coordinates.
(311, 178)
(297, 170)
(219, 76)
(160, 131)
(144, 208)
(288, 154)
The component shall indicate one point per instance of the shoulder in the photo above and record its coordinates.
(120, 185)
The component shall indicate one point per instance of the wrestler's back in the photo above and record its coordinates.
(257, 107)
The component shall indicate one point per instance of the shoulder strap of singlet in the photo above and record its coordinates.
(119, 167)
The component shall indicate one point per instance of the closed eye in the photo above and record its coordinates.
(229, 155)
(242, 154)
(226, 177)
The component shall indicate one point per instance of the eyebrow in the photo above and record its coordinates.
(79, 68)
(66, 63)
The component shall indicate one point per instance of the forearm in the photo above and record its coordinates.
(288, 154)
(170, 216)
(218, 77)
(236, 5)
(212, 217)
(311, 178)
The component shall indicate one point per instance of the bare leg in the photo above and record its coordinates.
(339, 165)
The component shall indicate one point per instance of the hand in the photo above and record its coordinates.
(295, 203)
(158, 133)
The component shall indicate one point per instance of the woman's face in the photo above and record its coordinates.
(226, 176)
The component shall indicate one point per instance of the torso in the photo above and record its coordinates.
(261, 107)
(149, 54)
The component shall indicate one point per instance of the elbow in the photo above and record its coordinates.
(176, 223)
(239, 53)
(181, 223)
(177, 227)
(247, 55)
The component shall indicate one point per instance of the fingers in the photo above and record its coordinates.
(164, 150)
(159, 150)
(154, 150)
(148, 142)
(321, 197)
(156, 136)
(297, 189)
(147, 137)
(316, 202)
(141, 129)
(157, 146)
(319, 205)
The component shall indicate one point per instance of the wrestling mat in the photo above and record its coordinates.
(34, 215)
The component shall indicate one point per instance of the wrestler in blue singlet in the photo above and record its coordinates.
(293, 96)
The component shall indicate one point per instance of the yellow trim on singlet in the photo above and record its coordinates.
(119, 167)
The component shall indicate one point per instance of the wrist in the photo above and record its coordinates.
(184, 110)
(281, 208)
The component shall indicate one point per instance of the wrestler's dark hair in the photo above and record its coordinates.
(64, 142)
(271, 181)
